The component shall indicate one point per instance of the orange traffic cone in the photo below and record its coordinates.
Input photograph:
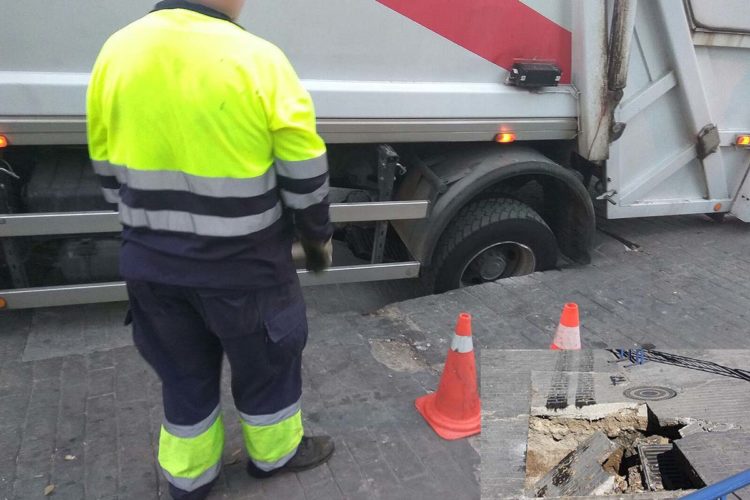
(453, 411)
(568, 334)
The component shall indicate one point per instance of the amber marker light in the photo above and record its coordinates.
(505, 137)
(743, 140)
(3, 141)
(3, 303)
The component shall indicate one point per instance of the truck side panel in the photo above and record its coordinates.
(675, 89)
(360, 60)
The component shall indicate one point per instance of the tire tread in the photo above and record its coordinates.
(472, 218)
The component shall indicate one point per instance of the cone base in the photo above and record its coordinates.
(554, 347)
(445, 427)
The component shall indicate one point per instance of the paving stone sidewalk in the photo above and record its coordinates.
(679, 283)
(88, 424)
(81, 411)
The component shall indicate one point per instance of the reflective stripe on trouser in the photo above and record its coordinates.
(190, 455)
(262, 334)
(272, 440)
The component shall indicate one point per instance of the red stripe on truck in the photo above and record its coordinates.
(500, 31)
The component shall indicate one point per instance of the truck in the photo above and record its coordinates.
(468, 141)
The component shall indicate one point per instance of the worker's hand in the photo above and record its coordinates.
(318, 255)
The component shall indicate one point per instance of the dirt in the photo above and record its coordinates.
(397, 355)
(551, 439)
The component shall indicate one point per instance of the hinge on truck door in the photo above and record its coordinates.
(608, 196)
(708, 141)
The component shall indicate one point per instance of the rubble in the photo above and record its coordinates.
(581, 473)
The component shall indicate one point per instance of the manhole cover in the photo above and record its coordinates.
(649, 393)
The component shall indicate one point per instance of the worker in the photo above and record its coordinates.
(205, 138)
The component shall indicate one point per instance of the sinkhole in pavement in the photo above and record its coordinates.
(624, 451)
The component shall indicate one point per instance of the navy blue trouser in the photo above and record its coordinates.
(183, 334)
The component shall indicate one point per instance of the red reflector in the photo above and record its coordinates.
(743, 140)
(3, 141)
(505, 137)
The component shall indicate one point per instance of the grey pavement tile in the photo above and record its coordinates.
(100, 449)
(14, 331)
(30, 486)
(98, 360)
(101, 381)
(283, 486)
(315, 476)
(74, 369)
(87, 328)
(717, 455)
(15, 379)
(345, 469)
(402, 461)
(71, 382)
(47, 368)
(326, 490)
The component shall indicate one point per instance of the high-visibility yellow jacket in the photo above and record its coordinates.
(205, 137)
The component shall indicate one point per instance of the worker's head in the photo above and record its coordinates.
(232, 8)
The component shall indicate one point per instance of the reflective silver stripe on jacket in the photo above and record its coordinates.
(266, 466)
(191, 431)
(160, 180)
(272, 418)
(301, 201)
(305, 169)
(462, 344)
(193, 483)
(111, 195)
(202, 225)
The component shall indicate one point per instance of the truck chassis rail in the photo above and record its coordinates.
(51, 224)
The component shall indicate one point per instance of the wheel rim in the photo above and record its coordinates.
(497, 261)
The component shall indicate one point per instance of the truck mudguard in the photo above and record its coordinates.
(473, 170)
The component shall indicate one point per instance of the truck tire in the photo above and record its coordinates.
(491, 239)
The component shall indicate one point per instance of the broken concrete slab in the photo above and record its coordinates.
(714, 456)
(578, 395)
(516, 386)
(715, 401)
(552, 438)
(580, 473)
(700, 426)
(710, 387)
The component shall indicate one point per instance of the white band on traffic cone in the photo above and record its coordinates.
(568, 338)
(462, 344)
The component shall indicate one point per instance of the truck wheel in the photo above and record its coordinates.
(491, 239)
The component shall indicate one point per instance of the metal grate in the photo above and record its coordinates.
(661, 467)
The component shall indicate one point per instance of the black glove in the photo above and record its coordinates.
(318, 255)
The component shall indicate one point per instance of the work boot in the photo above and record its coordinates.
(312, 451)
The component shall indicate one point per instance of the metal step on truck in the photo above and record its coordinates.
(467, 140)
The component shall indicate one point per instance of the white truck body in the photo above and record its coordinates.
(378, 75)
(434, 71)
(360, 60)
